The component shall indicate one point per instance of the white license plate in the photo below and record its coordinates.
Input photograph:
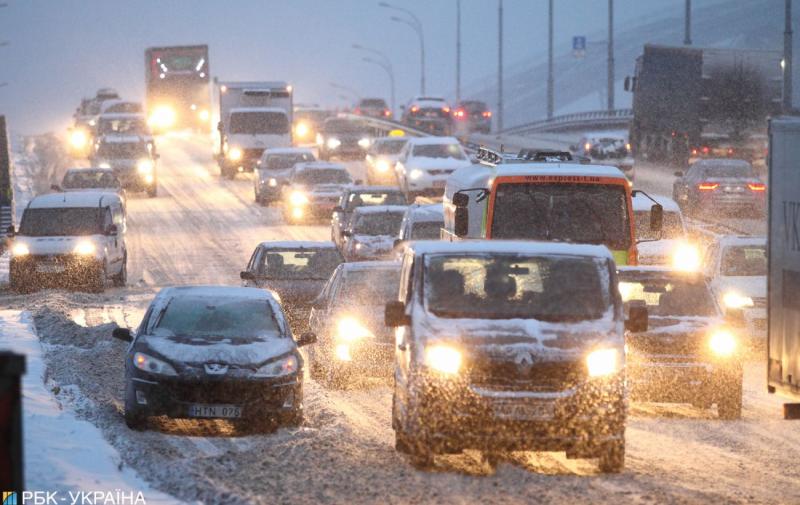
(49, 268)
(217, 411)
(439, 184)
(525, 411)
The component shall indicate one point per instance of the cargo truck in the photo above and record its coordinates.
(252, 117)
(691, 102)
(783, 281)
(177, 80)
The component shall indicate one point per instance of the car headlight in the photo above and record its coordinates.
(162, 116)
(350, 330)
(722, 343)
(78, 139)
(734, 300)
(20, 249)
(602, 362)
(364, 143)
(443, 358)
(342, 352)
(272, 182)
(104, 164)
(153, 365)
(333, 143)
(415, 174)
(382, 166)
(234, 154)
(84, 248)
(358, 246)
(285, 366)
(144, 167)
(297, 198)
(686, 257)
(203, 115)
(301, 130)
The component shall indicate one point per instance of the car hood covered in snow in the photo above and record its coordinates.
(437, 163)
(243, 353)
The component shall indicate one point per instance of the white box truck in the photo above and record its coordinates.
(783, 302)
(252, 117)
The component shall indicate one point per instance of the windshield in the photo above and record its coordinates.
(582, 213)
(370, 199)
(229, 318)
(733, 171)
(505, 286)
(274, 123)
(388, 146)
(305, 264)
(671, 228)
(439, 151)
(369, 287)
(670, 297)
(122, 150)
(322, 176)
(89, 179)
(284, 161)
(129, 126)
(378, 223)
(744, 261)
(344, 126)
(375, 103)
(427, 230)
(69, 221)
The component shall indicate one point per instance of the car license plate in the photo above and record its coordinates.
(525, 411)
(439, 184)
(218, 411)
(49, 268)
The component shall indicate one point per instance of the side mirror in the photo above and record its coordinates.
(306, 339)
(112, 230)
(123, 334)
(395, 314)
(55, 187)
(656, 217)
(627, 84)
(678, 174)
(460, 199)
(735, 317)
(461, 222)
(637, 319)
(247, 275)
(11, 231)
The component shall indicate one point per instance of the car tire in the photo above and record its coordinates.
(121, 279)
(729, 406)
(612, 459)
(135, 419)
(293, 419)
(152, 191)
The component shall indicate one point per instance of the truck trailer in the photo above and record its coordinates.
(177, 80)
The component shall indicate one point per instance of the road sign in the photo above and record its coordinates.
(579, 46)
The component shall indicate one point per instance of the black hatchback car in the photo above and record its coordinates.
(720, 185)
(343, 138)
(214, 352)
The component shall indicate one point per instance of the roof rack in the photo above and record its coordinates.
(525, 155)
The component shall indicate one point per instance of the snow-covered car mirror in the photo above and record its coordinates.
(306, 339)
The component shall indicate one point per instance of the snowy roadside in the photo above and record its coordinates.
(61, 452)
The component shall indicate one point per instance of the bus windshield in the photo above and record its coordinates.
(582, 213)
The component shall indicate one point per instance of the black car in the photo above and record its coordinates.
(472, 116)
(720, 185)
(344, 138)
(214, 352)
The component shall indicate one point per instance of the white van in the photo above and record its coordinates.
(510, 346)
(70, 239)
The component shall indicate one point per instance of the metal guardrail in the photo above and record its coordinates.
(386, 125)
(577, 120)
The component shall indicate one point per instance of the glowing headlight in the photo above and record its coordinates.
(150, 364)
(144, 167)
(722, 343)
(350, 329)
(415, 174)
(333, 143)
(272, 182)
(734, 300)
(203, 115)
(20, 249)
(382, 166)
(297, 198)
(162, 117)
(285, 366)
(443, 358)
(234, 154)
(342, 352)
(104, 164)
(602, 362)
(78, 139)
(686, 257)
(301, 130)
(84, 248)
(364, 143)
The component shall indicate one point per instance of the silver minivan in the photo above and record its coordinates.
(70, 239)
(510, 346)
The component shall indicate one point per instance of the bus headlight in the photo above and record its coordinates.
(602, 362)
(301, 130)
(686, 257)
(298, 199)
(734, 300)
(20, 249)
(444, 359)
(722, 343)
(84, 248)
(144, 167)
(163, 116)
(234, 154)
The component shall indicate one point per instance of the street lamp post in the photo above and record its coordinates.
(787, 59)
(416, 25)
(458, 51)
(687, 24)
(500, 66)
(384, 63)
(550, 81)
(610, 55)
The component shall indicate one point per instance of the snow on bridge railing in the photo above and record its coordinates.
(576, 120)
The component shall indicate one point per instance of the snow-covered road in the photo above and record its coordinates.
(202, 230)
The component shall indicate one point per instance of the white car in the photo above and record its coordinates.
(75, 239)
(420, 222)
(668, 246)
(737, 267)
(426, 163)
(371, 232)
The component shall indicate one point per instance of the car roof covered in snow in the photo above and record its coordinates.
(297, 244)
(74, 199)
(319, 165)
(288, 150)
(426, 141)
(426, 213)
(742, 240)
(721, 162)
(531, 248)
(374, 189)
(642, 203)
(216, 292)
(380, 209)
(360, 266)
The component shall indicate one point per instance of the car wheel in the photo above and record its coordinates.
(152, 191)
(612, 459)
(293, 419)
(729, 407)
(135, 419)
(121, 279)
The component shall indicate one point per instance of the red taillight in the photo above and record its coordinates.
(730, 150)
(387, 112)
(757, 186)
(705, 149)
(708, 186)
(459, 113)
(357, 110)
(487, 113)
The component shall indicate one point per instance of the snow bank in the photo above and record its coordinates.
(62, 453)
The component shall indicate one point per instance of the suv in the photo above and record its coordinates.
(75, 239)
(274, 168)
(472, 116)
(429, 114)
(133, 160)
(373, 107)
(510, 346)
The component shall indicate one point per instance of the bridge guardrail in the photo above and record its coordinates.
(621, 116)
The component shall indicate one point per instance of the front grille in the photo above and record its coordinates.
(438, 171)
(235, 392)
(252, 154)
(512, 376)
(666, 343)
